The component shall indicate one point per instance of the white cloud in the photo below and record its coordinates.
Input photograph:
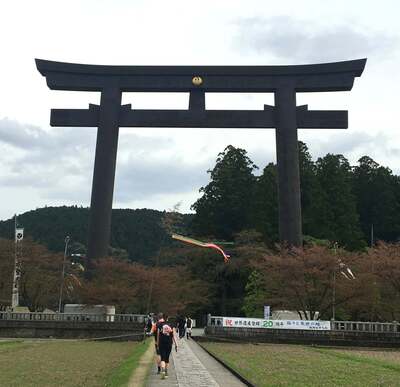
(288, 39)
(58, 166)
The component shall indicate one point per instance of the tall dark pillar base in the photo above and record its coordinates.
(290, 229)
(104, 175)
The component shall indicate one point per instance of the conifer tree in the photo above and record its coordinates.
(337, 217)
(224, 208)
(375, 188)
(265, 204)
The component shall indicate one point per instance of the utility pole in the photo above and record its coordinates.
(372, 235)
(63, 274)
(19, 236)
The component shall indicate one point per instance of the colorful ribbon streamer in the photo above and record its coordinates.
(201, 244)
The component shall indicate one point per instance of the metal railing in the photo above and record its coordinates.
(361, 326)
(214, 320)
(347, 326)
(73, 317)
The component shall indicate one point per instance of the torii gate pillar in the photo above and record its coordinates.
(287, 154)
(104, 173)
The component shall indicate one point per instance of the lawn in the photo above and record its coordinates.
(68, 363)
(296, 365)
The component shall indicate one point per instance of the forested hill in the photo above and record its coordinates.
(139, 232)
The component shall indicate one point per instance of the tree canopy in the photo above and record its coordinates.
(340, 202)
(225, 206)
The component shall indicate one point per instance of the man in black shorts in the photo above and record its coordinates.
(165, 338)
(159, 319)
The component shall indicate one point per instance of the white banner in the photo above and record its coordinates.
(244, 322)
(19, 234)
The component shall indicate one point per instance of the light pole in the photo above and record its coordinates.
(335, 245)
(63, 273)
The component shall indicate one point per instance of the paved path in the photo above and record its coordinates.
(153, 380)
(191, 366)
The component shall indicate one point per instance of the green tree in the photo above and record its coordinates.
(378, 203)
(255, 295)
(265, 204)
(224, 208)
(265, 208)
(312, 197)
(337, 216)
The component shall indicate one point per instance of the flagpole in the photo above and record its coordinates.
(18, 237)
(15, 293)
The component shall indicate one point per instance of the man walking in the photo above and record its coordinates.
(149, 324)
(165, 339)
(181, 326)
(189, 324)
(154, 331)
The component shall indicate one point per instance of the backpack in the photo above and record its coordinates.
(166, 330)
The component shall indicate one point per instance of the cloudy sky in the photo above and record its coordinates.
(157, 168)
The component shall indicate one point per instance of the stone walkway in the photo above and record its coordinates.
(191, 366)
(154, 380)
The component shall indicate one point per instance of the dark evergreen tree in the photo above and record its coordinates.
(265, 204)
(377, 192)
(312, 197)
(337, 217)
(265, 212)
(224, 208)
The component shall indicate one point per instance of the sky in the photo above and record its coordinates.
(157, 167)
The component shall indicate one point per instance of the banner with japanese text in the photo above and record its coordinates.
(244, 322)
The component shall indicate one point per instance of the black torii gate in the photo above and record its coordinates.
(285, 116)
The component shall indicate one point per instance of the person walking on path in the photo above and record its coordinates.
(189, 324)
(181, 326)
(158, 320)
(149, 324)
(165, 339)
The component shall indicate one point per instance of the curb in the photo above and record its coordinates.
(230, 369)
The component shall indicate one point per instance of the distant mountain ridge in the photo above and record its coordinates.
(137, 231)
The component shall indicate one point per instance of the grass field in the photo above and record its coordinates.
(68, 363)
(296, 365)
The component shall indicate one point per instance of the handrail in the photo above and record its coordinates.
(347, 326)
(365, 326)
(72, 317)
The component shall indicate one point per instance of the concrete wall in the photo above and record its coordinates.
(69, 329)
(367, 339)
